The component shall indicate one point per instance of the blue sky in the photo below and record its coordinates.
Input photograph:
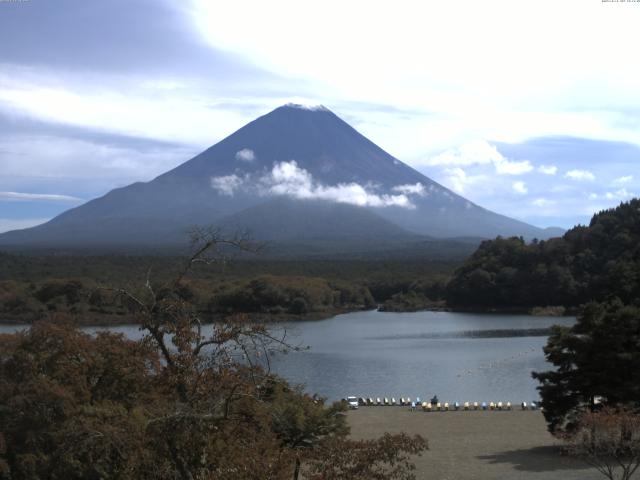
(531, 109)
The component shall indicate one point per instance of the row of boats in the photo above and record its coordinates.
(435, 405)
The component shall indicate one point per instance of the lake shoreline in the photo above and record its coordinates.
(534, 311)
(107, 320)
(94, 319)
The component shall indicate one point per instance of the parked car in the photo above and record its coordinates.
(352, 402)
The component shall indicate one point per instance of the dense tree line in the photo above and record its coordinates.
(294, 295)
(276, 297)
(592, 262)
(121, 268)
(33, 286)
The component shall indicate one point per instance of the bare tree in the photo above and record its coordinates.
(167, 316)
(608, 440)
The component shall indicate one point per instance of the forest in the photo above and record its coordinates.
(594, 262)
(81, 287)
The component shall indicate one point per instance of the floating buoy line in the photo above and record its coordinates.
(496, 363)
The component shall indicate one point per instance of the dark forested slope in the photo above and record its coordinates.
(588, 263)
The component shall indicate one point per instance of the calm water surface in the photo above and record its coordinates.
(458, 356)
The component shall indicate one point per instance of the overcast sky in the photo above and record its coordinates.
(528, 108)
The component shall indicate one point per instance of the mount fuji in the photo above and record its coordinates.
(296, 175)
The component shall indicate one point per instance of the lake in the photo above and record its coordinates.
(458, 356)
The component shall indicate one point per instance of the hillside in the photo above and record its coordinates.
(588, 263)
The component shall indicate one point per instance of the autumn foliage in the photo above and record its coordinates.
(608, 440)
(186, 401)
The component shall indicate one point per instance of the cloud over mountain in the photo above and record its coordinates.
(227, 184)
(290, 180)
(245, 155)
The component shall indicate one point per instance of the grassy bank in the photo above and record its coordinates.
(476, 445)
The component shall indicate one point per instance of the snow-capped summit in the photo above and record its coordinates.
(302, 106)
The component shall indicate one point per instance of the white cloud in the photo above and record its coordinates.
(621, 194)
(411, 189)
(507, 167)
(536, 92)
(123, 104)
(458, 180)
(520, 187)
(543, 202)
(480, 152)
(286, 178)
(476, 152)
(53, 157)
(625, 179)
(548, 169)
(8, 224)
(227, 184)
(50, 197)
(580, 175)
(245, 155)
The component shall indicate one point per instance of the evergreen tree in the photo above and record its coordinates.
(598, 357)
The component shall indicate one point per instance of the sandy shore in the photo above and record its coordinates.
(501, 445)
